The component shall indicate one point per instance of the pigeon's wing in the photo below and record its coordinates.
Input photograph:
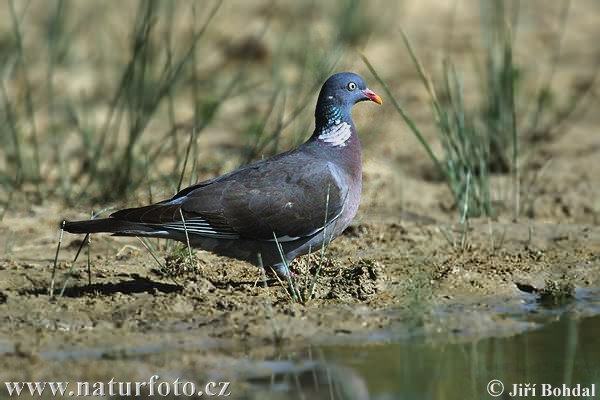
(289, 197)
(171, 215)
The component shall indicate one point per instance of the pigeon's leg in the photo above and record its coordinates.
(282, 270)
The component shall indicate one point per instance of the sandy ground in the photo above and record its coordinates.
(403, 256)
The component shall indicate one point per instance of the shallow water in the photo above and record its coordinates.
(559, 345)
(518, 344)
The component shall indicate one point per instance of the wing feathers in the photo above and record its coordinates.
(152, 214)
(286, 197)
(202, 228)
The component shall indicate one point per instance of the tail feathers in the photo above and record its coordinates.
(108, 225)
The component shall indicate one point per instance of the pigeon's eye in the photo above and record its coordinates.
(351, 86)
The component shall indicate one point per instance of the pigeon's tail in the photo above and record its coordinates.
(108, 225)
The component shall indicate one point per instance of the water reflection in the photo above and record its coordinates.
(556, 345)
(563, 351)
(566, 351)
(311, 381)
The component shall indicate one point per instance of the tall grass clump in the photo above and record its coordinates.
(22, 144)
(466, 148)
(91, 114)
(147, 80)
(488, 137)
(68, 152)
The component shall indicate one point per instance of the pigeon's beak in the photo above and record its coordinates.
(372, 96)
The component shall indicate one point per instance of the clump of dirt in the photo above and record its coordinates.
(179, 261)
(553, 290)
(557, 291)
(329, 278)
(360, 281)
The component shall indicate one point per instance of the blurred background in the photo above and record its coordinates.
(107, 104)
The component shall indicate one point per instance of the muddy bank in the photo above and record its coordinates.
(376, 279)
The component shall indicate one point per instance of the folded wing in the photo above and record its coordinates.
(290, 198)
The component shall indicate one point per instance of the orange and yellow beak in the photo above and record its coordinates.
(372, 95)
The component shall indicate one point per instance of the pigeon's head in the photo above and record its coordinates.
(339, 93)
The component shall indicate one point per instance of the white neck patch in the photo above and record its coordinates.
(336, 135)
